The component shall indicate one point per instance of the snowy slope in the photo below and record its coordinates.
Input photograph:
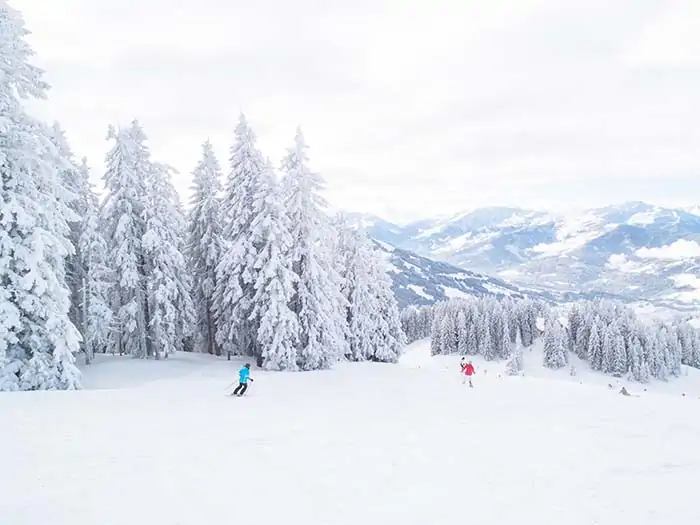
(634, 251)
(418, 280)
(160, 444)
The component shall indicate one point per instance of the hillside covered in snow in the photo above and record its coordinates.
(419, 280)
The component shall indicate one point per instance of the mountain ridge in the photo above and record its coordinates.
(633, 250)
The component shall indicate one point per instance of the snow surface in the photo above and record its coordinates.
(573, 233)
(644, 218)
(454, 293)
(159, 443)
(420, 292)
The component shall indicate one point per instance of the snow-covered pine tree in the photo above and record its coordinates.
(123, 217)
(511, 310)
(73, 195)
(575, 322)
(169, 302)
(609, 347)
(499, 332)
(583, 333)
(462, 333)
(447, 335)
(37, 338)
(472, 338)
(636, 357)
(528, 322)
(516, 362)
(663, 354)
(96, 315)
(555, 344)
(619, 353)
(675, 352)
(483, 334)
(390, 339)
(686, 339)
(436, 330)
(278, 326)
(595, 345)
(318, 299)
(355, 252)
(204, 248)
(233, 295)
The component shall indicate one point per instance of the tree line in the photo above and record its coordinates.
(610, 337)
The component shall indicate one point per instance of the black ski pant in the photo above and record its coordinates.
(240, 389)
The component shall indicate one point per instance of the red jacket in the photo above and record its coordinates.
(468, 369)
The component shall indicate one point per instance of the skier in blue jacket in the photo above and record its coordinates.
(243, 378)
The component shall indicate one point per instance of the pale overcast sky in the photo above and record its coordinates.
(411, 108)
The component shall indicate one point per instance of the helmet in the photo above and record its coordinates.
(247, 365)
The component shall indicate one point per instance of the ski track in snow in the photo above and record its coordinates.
(159, 443)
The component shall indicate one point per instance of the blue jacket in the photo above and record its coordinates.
(243, 375)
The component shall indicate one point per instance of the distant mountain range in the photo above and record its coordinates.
(635, 252)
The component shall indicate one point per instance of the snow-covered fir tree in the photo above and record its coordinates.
(555, 344)
(204, 248)
(389, 337)
(516, 363)
(123, 217)
(318, 300)
(96, 315)
(358, 291)
(244, 194)
(170, 306)
(462, 333)
(278, 326)
(614, 354)
(37, 338)
(74, 194)
(483, 335)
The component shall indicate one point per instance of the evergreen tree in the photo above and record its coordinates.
(575, 323)
(390, 339)
(675, 351)
(235, 274)
(485, 341)
(472, 341)
(73, 193)
(595, 345)
(447, 334)
(278, 326)
(436, 332)
(169, 301)
(462, 333)
(204, 247)
(96, 314)
(37, 338)
(516, 363)
(318, 301)
(555, 344)
(359, 292)
(123, 219)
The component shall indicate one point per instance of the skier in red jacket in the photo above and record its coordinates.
(468, 371)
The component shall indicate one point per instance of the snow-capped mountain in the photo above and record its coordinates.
(418, 280)
(634, 251)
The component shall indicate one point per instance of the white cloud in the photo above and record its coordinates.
(681, 249)
(410, 108)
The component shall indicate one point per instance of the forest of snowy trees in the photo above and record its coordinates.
(611, 338)
(255, 266)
